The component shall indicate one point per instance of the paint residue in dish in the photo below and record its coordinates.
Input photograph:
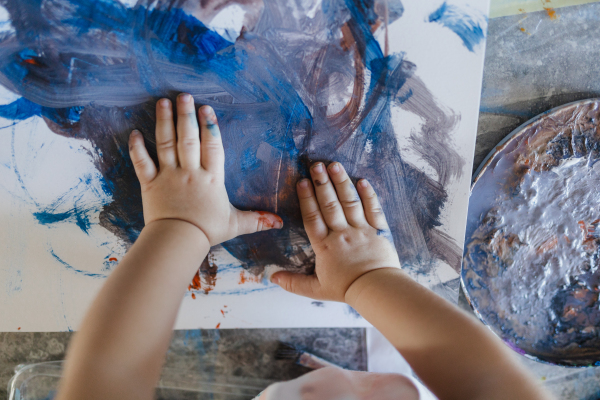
(532, 251)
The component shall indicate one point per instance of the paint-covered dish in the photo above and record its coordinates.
(532, 246)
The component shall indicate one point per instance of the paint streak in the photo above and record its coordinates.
(73, 269)
(194, 296)
(98, 76)
(247, 277)
(196, 284)
(471, 28)
(386, 233)
(113, 259)
(206, 276)
(218, 326)
(551, 13)
(223, 313)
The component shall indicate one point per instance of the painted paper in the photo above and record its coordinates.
(388, 88)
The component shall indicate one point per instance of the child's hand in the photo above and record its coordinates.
(189, 185)
(349, 234)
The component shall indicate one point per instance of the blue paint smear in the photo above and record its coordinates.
(78, 216)
(471, 29)
(71, 268)
(20, 109)
(260, 92)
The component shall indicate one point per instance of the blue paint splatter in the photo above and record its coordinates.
(471, 28)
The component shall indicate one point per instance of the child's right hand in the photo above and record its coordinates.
(347, 230)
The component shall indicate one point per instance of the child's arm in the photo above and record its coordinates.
(120, 347)
(356, 263)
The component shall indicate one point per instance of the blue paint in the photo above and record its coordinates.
(71, 268)
(353, 312)
(386, 233)
(470, 28)
(258, 91)
(20, 109)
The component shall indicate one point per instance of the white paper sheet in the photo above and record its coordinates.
(51, 271)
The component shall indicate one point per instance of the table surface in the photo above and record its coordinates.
(533, 63)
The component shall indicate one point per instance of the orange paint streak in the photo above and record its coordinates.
(218, 325)
(194, 296)
(113, 259)
(248, 278)
(19, 328)
(551, 13)
(31, 61)
(525, 31)
(547, 245)
(223, 312)
(583, 227)
(196, 284)
(266, 222)
(225, 306)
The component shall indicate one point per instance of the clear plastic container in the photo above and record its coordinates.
(40, 381)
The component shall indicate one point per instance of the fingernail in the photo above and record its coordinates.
(275, 279)
(335, 168)
(207, 110)
(363, 183)
(135, 132)
(318, 168)
(164, 103)
(184, 97)
(278, 224)
(303, 183)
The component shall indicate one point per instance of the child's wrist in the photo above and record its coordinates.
(361, 285)
(188, 227)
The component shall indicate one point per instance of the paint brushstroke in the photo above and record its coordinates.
(470, 26)
(94, 70)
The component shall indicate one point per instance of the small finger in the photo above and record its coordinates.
(373, 211)
(347, 194)
(314, 224)
(166, 142)
(142, 163)
(213, 155)
(256, 221)
(188, 134)
(300, 284)
(330, 206)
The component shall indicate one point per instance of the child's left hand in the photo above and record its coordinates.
(190, 183)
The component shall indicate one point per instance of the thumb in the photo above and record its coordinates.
(256, 221)
(300, 284)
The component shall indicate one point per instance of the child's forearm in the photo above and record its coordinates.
(119, 349)
(454, 354)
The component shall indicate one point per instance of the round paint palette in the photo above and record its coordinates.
(531, 264)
